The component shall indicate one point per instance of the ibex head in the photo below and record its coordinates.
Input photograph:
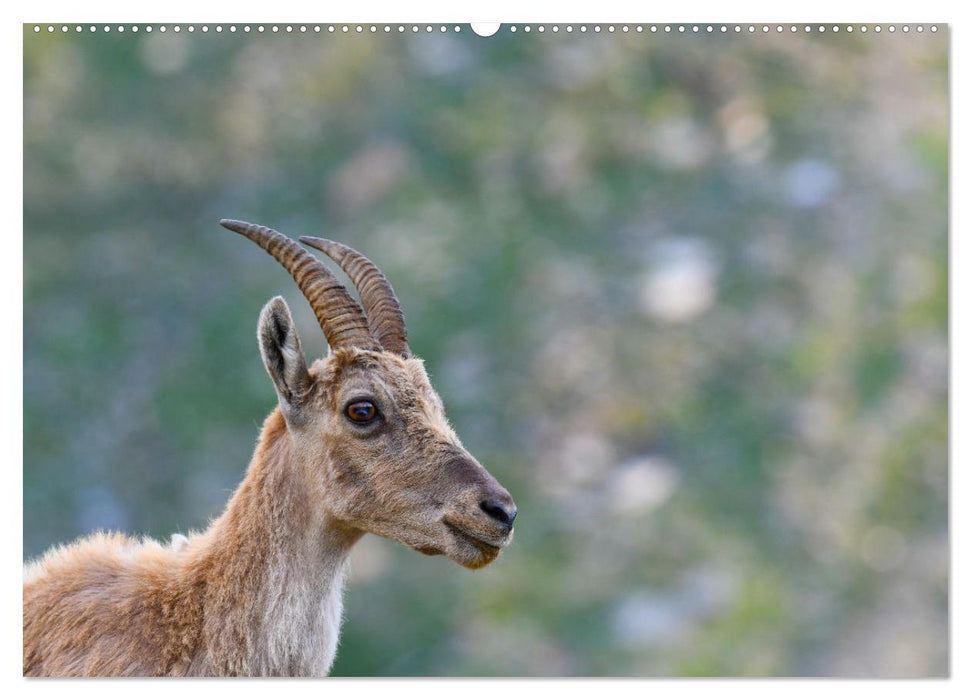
(367, 430)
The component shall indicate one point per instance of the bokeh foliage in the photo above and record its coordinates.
(686, 296)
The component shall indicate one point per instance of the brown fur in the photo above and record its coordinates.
(259, 592)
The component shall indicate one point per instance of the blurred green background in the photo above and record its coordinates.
(684, 295)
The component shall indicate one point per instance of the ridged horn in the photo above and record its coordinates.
(386, 320)
(340, 317)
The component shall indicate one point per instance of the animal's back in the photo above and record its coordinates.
(110, 605)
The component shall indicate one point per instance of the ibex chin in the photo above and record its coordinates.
(359, 443)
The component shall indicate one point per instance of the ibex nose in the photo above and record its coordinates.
(503, 510)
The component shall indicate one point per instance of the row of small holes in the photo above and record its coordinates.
(260, 28)
(765, 28)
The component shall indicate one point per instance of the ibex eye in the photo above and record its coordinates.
(362, 411)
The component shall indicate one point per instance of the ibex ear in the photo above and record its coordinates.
(282, 355)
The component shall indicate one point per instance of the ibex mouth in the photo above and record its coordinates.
(488, 545)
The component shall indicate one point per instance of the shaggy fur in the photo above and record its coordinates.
(260, 591)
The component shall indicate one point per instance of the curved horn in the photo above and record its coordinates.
(339, 316)
(381, 305)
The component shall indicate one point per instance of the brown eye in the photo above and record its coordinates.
(361, 411)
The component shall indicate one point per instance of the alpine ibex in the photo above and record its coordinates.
(359, 443)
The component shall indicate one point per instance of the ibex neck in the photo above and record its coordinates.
(276, 571)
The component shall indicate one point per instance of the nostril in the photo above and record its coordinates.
(499, 510)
